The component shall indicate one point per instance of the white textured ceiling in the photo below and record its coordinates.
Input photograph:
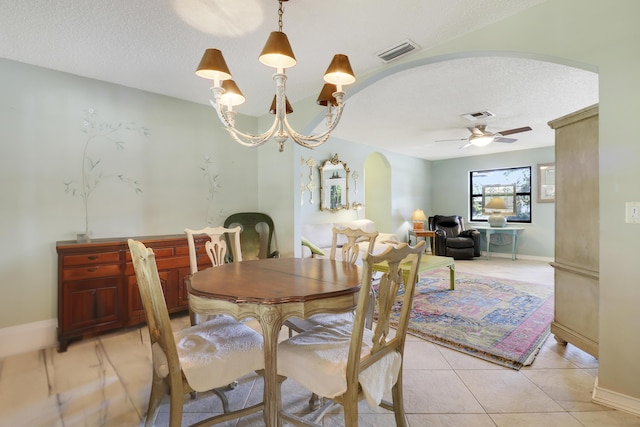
(429, 101)
(155, 45)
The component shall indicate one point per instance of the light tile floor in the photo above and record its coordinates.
(104, 381)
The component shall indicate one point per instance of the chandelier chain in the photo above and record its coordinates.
(280, 13)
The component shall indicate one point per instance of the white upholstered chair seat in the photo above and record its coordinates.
(214, 353)
(329, 319)
(203, 357)
(317, 359)
(347, 361)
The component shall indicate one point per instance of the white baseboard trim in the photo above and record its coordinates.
(28, 337)
(519, 256)
(615, 400)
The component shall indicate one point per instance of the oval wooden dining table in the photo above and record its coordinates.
(271, 290)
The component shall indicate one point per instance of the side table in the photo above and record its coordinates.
(513, 231)
(424, 234)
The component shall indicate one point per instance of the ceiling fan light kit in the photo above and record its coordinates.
(277, 53)
(480, 137)
(480, 141)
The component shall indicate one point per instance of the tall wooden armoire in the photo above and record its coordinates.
(577, 229)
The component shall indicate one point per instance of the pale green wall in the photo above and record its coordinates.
(449, 196)
(377, 190)
(603, 36)
(41, 147)
(39, 140)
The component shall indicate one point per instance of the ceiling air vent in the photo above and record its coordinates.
(395, 52)
(472, 117)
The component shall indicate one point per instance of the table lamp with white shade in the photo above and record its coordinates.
(497, 208)
(418, 217)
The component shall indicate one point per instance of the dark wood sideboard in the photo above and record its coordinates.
(97, 288)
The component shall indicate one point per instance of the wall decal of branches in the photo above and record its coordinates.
(213, 185)
(92, 170)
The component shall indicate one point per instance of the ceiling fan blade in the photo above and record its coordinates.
(447, 140)
(512, 131)
(478, 130)
(500, 139)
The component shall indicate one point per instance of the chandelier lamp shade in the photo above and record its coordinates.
(277, 53)
(288, 107)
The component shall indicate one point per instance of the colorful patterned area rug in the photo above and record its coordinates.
(498, 320)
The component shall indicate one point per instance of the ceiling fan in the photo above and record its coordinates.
(480, 137)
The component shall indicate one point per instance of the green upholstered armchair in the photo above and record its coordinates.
(256, 235)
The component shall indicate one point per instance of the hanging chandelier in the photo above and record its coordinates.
(276, 53)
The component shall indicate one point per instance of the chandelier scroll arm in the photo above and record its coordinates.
(243, 138)
(313, 141)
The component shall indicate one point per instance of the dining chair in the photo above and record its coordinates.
(256, 235)
(347, 363)
(215, 247)
(345, 246)
(347, 241)
(199, 358)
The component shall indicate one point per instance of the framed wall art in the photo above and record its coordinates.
(546, 183)
(334, 185)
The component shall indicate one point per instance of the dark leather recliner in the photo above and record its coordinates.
(452, 239)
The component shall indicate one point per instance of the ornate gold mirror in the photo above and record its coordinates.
(334, 185)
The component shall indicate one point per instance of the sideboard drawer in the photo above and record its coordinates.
(162, 253)
(184, 250)
(91, 272)
(90, 259)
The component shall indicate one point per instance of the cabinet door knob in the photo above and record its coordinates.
(92, 270)
(93, 257)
